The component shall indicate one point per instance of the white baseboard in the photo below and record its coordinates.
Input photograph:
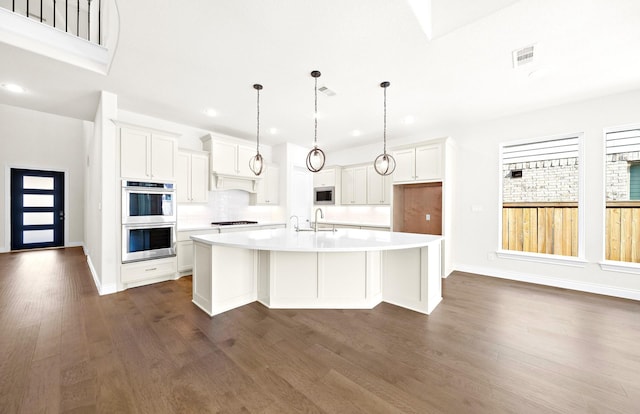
(75, 244)
(102, 290)
(551, 281)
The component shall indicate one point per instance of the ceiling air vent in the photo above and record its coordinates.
(523, 56)
(326, 91)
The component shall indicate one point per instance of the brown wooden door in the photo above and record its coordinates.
(420, 200)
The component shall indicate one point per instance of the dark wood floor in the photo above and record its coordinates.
(492, 346)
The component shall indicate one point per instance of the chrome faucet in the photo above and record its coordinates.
(315, 223)
(297, 222)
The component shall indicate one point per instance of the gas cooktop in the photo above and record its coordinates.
(232, 223)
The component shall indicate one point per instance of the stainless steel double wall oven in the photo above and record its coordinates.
(148, 220)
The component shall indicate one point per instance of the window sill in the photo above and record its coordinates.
(543, 258)
(616, 266)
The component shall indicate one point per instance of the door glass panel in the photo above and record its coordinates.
(30, 219)
(37, 183)
(37, 236)
(38, 200)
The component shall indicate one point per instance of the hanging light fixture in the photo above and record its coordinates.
(315, 158)
(256, 163)
(384, 163)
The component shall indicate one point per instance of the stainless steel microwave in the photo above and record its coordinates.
(324, 195)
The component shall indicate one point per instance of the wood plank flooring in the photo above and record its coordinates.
(492, 346)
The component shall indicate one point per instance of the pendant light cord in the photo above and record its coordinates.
(315, 114)
(258, 123)
(384, 133)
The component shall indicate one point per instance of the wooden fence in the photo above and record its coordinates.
(623, 231)
(552, 228)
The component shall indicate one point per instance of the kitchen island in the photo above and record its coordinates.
(342, 269)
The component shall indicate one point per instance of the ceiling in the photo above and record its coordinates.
(174, 59)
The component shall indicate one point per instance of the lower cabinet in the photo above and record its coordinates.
(148, 271)
(184, 245)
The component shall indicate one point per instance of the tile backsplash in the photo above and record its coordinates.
(227, 205)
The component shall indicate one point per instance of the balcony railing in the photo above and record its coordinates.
(82, 18)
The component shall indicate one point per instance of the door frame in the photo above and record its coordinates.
(7, 201)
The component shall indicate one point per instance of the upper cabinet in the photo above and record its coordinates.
(232, 159)
(378, 187)
(421, 163)
(192, 177)
(230, 163)
(147, 154)
(354, 185)
(325, 177)
(268, 188)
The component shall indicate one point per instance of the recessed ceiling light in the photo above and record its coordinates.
(273, 131)
(12, 87)
(210, 112)
(409, 119)
(356, 133)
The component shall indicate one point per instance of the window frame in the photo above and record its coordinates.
(575, 261)
(612, 265)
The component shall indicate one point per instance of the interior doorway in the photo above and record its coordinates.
(417, 208)
(37, 209)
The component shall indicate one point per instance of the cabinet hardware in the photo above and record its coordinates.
(149, 270)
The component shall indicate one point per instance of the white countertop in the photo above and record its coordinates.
(342, 240)
(215, 226)
(353, 223)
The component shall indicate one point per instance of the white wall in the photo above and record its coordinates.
(476, 183)
(101, 223)
(37, 140)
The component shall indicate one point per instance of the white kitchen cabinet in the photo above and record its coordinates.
(184, 244)
(268, 187)
(148, 271)
(378, 187)
(147, 155)
(325, 177)
(354, 185)
(421, 163)
(184, 248)
(192, 176)
(228, 158)
(245, 153)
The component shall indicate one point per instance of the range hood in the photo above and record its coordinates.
(230, 182)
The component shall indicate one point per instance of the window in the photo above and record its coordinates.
(622, 215)
(541, 197)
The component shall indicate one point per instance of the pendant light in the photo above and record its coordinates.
(315, 158)
(384, 163)
(256, 163)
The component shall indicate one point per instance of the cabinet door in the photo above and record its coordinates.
(325, 178)
(267, 191)
(405, 165)
(199, 178)
(244, 156)
(183, 177)
(360, 185)
(378, 187)
(223, 158)
(163, 153)
(184, 252)
(348, 191)
(272, 185)
(134, 153)
(428, 162)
